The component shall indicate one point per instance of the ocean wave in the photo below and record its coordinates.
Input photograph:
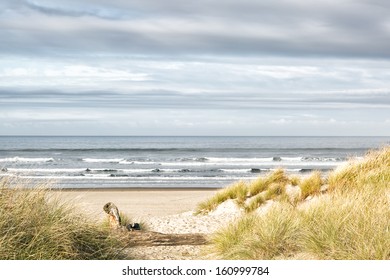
(118, 161)
(103, 160)
(23, 159)
(200, 161)
(235, 170)
(135, 162)
(289, 158)
(45, 170)
(324, 159)
(197, 159)
(243, 160)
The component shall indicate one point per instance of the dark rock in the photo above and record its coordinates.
(185, 170)
(255, 170)
(156, 170)
(87, 170)
(119, 175)
(135, 226)
(110, 170)
(4, 169)
(277, 159)
(305, 170)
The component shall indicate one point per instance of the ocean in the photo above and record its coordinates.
(171, 162)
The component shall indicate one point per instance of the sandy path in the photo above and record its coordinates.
(165, 211)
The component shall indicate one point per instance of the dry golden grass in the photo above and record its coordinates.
(311, 185)
(236, 191)
(372, 170)
(352, 221)
(257, 186)
(340, 226)
(352, 225)
(273, 185)
(259, 237)
(255, 202)
(36, 225)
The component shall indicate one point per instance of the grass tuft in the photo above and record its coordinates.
(36, 225)
(255, 202)
(352, 225)
(311, 185)
(372, 170)
(351, 221)
(236, 191)
(274, 184)
(295, 180)
(259, 237)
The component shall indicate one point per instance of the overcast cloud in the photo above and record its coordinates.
(206, 67)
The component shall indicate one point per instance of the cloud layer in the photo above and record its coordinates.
(207, 67)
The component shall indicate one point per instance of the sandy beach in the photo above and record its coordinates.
(138, 203)
(162, 210)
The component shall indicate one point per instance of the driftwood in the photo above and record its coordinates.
(150, 238)
(113, 213)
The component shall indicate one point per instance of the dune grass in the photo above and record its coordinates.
(259, 237)
(372, 171)
(262, 183)
(236, 191)
(36, 225)
(255, 202)
(273, 184)
(311, 185)
(354, 225)
(350, 221)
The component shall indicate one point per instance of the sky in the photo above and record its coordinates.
(205, 67)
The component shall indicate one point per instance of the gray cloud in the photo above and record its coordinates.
(200, 100)
(328, 28)
(207, 66)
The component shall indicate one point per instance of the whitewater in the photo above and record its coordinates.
(171, 162)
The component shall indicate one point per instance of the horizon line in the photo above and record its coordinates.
(25, 135)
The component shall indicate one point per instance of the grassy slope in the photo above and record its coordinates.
(34, 225)
(350, 221)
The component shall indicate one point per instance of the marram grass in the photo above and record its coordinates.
(372, 171)
(34, 225)
(311, 185)
(236, 191)
(350, 221)
(259, 237)
(352, 225)
(273, 184)
(255, 202)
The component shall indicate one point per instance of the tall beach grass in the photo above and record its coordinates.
(34, 224)
(350, 220)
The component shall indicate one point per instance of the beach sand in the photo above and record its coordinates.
(141, 203)
(162, 210)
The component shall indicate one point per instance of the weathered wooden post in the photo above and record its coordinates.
(114, 217)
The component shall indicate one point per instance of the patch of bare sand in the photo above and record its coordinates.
(164, 211)
(187, 222)
(137, 203)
